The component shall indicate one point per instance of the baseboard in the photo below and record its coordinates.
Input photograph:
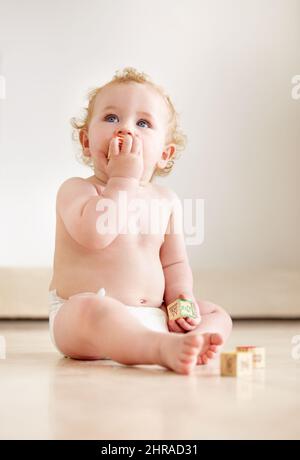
(24, 292)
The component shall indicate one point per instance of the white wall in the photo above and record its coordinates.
(228, 67)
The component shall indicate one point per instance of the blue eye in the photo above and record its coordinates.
(144, 121)
(112, 116)
(109, 116)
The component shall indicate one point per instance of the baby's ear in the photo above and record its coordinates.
(167, 154)
(84, 140)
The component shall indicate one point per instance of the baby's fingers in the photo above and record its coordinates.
(185, 325)
(136, 145)
(126, 141)
(113, 147)
(174, 327)
(194, 321)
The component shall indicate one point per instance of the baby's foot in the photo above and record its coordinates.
(211, 343)
(180, 352)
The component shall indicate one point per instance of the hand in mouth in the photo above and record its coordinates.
(121, 140)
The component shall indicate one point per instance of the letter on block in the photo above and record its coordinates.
(235, 364)
(181, 308)
(258, 355)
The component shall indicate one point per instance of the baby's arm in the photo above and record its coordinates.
(176, 267)
(77, 199)
(76, 204)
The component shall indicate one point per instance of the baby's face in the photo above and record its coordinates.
(133, 107)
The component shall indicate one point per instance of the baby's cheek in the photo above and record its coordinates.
(99, 141)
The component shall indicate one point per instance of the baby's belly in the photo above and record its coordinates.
(136, 283)
(132, 279)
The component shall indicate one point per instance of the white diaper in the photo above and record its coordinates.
(153, 318)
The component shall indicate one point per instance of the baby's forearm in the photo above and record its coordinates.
(178, 280)
(97, 206)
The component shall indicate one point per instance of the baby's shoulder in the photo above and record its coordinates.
(76, 183)
(74, 189)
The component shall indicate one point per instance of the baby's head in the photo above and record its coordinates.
(131, 102)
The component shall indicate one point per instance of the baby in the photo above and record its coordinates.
(109, 290)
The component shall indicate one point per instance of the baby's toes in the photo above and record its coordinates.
(216, 339)
(204, 358)
(210, 354)
(199, 360)
(213, 348)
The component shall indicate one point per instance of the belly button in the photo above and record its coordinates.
(143, 300)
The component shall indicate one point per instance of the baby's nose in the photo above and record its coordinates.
(123, 132)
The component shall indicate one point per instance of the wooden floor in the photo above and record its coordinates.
(46, 396)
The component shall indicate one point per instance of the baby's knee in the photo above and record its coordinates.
(83, 309)
(90, 308)
(206, 307)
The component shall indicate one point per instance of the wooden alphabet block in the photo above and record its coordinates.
(236, 364)
(181, 308)
(258, 355)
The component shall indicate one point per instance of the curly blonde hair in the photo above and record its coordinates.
(130, 74)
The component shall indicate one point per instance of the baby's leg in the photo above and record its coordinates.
(92, 327)
(215, 326)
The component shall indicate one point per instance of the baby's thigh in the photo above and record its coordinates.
(73, 322)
